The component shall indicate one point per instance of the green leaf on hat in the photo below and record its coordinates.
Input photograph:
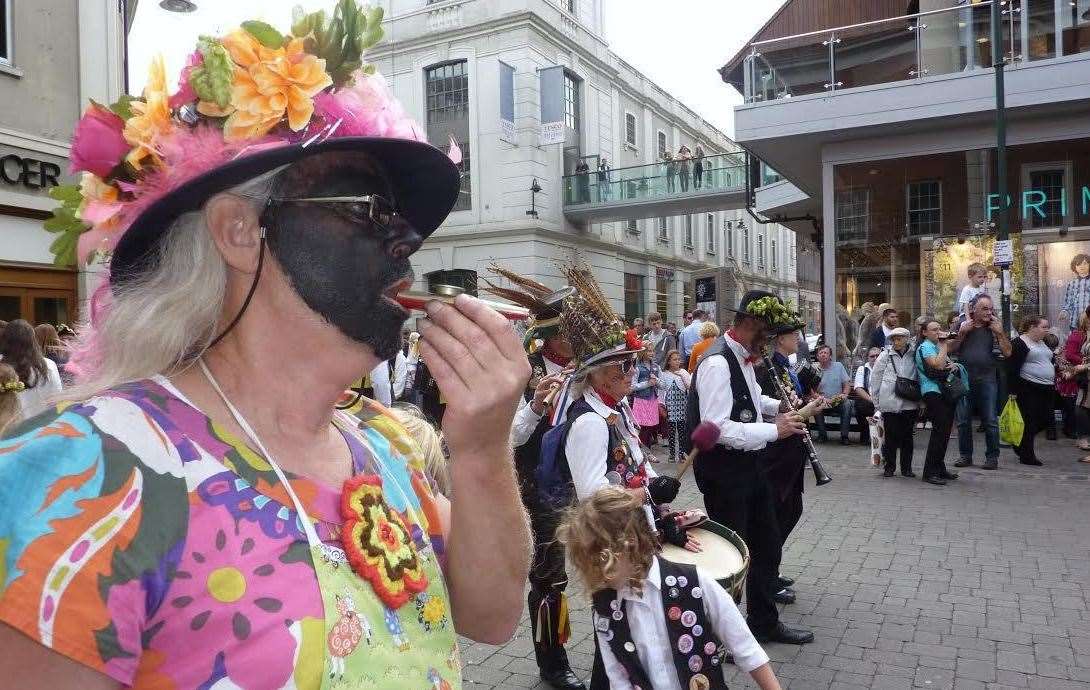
(64, 249)
(212, 79)
(67, 193)
(123, 106)
(265, 34)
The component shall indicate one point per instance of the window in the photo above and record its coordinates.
(633, 227)
(745, 245)
(569, 5)
(662, 296)
(852, 213)
(925, 207)
(571, 101)
(664, 233)
(1051, 184)
(633, 297)
(689, 231)
(687, 296)
(662, 143)
(775, 260)
(630, 129)
(447, 90)
(793, 254)
(6, 29)
(709, 232)
(760, 251)
(729, 232)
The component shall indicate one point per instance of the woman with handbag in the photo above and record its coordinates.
(895, 387)
(937, 376)
(1073, 367)
(1032, 376)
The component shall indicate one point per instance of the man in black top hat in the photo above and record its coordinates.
(736, 491)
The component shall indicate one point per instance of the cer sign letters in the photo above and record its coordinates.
(28, 172)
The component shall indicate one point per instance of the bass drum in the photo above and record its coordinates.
(725, 556)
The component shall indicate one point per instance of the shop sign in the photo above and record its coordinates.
(1034, 200)
(1004, 252)
(28, 172)
(664, 273)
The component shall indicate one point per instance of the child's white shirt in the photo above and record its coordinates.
(967, 294)
(647, 623)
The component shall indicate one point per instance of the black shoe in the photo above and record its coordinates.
(785, 582)
(1032, 461)
(963, 462)
(1050, 434)
(785, 596)
(910, 474)
(562, 678)
(949, 476)
(845, 442)
(888, 472)
(937, 481)
(786, 635)
(990, 465)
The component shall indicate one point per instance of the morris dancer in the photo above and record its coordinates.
(549, 353)
(659, 625)
(198, 514)
(784, 460)
(736, 492)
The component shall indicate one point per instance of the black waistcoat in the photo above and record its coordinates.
(722, 463)
(528, 455)
(698, 653)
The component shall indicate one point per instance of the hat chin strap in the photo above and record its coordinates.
(249, 295)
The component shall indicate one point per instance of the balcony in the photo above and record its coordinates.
(655, 190)
(906, 75)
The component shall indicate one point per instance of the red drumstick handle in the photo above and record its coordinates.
(417, 300)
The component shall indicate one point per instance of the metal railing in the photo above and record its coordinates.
(929, 43)
(717, 172)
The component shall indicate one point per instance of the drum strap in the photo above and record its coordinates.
(698, 653)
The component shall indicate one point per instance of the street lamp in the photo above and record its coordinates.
(178, 5)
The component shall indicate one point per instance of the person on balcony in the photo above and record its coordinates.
(698, 167)
(685, 158)
(671, 171)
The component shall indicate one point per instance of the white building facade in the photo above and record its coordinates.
(445, 61)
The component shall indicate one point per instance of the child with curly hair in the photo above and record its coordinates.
(658, 624)
(10, 387)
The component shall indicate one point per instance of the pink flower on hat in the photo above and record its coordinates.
(98, 145)
(367, 108)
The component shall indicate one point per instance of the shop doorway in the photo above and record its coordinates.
(38, 295)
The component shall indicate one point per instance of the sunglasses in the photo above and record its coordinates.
(371, 207)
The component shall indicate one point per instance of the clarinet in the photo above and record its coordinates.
(820, 475)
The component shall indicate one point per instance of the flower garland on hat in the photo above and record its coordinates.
(238, 93)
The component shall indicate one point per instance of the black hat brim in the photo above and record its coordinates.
(425, 183)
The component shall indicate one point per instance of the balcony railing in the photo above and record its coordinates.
(909, 47)
(664, 179)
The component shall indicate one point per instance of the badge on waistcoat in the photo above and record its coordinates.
(746, 415)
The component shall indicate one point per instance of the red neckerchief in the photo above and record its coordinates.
(750, 359)
(608, 399)
(554, 358)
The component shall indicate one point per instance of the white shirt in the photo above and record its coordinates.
(648, 626)
(35, 400)
(967, 294)
(387, 391)
(587, 444)
(859, 377)
(525, 418)
(717, 401)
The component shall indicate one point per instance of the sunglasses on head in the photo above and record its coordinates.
(371, 207)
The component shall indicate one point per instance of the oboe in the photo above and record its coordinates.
(784, 388)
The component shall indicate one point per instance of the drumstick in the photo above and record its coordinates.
(417, 300)
(704, 437)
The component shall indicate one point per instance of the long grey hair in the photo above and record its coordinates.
(163, 320)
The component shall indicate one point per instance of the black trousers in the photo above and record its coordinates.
(898, 439)
(941, 414)
(548, 578)
(784, 465)
(743, 501)
(1035, 401)
(863, 409)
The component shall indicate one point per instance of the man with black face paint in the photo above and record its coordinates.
(269, 260)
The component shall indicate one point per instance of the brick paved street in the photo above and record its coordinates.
(981, 584)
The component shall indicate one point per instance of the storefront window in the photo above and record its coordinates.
(633, 297)
(907, 230)
(662, 296)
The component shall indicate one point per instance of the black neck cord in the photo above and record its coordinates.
(249, 295)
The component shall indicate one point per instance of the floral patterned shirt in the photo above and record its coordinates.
(142, 540)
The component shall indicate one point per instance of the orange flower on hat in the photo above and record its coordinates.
(269, 84)
(379, 544)
(151, 117)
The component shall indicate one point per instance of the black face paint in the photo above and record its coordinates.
(338, 261)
